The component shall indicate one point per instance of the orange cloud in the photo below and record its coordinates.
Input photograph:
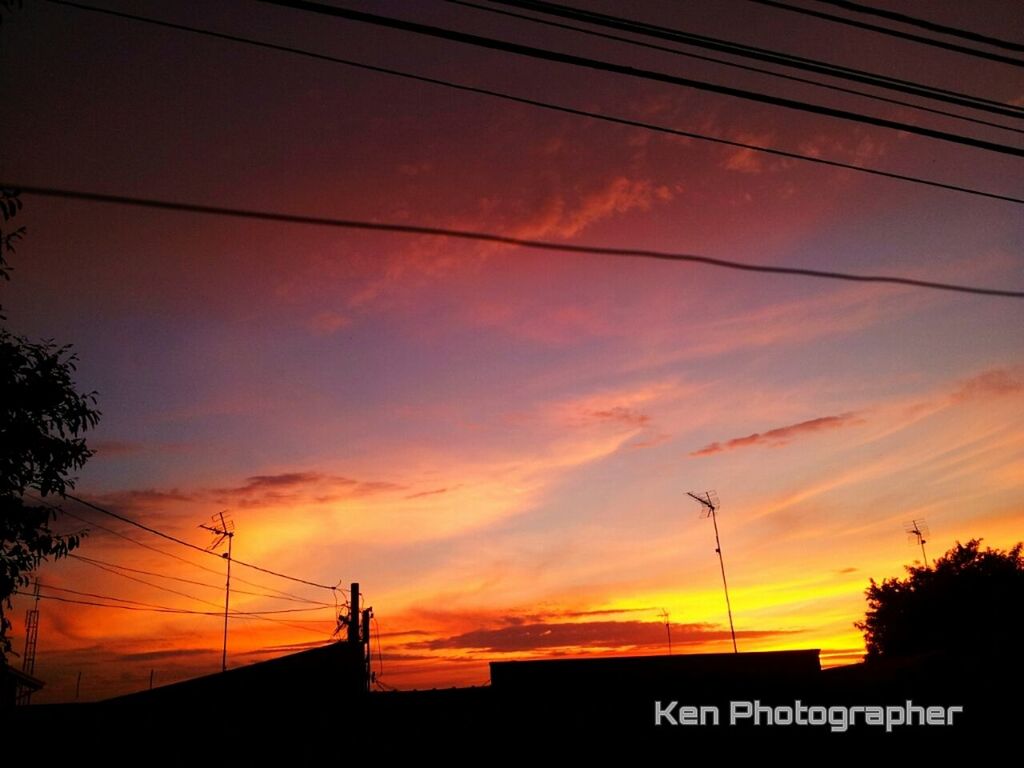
(782, 435)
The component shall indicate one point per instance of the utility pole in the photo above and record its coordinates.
(367, 652)
(223, 529)
(709, 504)
(353, 614)
(359, 630)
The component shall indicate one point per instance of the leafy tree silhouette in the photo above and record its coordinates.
(969, 603)
(42, 417)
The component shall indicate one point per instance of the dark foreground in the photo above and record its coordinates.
(637, 709)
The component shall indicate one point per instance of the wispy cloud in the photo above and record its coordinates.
(328, 322)
(259, 490)
(423, 494)
(563, 215)
(782, 435)
(620, 415)
(116, 447)
(997, 382)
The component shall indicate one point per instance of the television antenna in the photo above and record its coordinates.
(668, 628)
(918, 533)
(223, 528)
(709, 506)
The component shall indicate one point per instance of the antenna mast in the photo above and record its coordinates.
(917, 531)
(223, 529)
(668, 628)
(709, 508)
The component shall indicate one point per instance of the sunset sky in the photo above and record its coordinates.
(497, 442)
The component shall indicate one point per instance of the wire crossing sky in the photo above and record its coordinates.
(606, 66)
(547, 105)
(489, 237)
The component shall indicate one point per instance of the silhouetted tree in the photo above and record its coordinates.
(42, 416)
(970, 602)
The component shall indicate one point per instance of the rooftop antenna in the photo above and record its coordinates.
(668, 628)
(709, 506)
(223, 529)
(917, 533)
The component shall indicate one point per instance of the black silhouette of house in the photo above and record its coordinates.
(329, 672)
(14, 682)
(698, 672)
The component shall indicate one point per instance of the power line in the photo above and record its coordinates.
(175, 539)
(767, 55)
(137, 524)
(124, 607)
(733, 64)
(151, 584)
(105, 597)
(101, 527)
(179, 541)
(892, 32)
(317, 607)
(646, 74)
(924, 24)
(184, 611)
(284, 595)
(163, 608)
(93, 523)
(95, 561)
(549, 106)
(488, 237)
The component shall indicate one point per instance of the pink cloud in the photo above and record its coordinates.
(622, 415)
(988, 384)
(561, 216)
(296, 487)
(782, 435)
(328, 322)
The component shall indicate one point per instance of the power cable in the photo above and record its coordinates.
(151, 584)
(94, 524)
(767, 55)
(956, 48)
(164, 608)
(925, 24)
(646, 74)
(549, 106)
(733, 64)
(207, 584)
(175, 539)
(487, 237)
